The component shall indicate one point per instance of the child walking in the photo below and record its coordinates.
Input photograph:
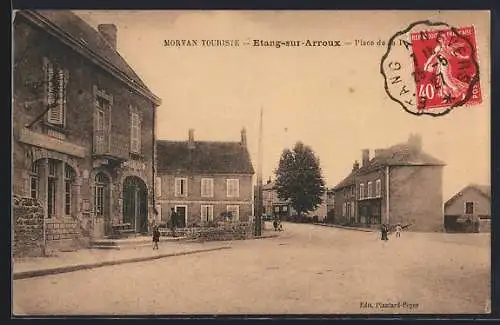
(398, 230)
(156, 237)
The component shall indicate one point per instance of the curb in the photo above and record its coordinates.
(343, 227)
(72, 268)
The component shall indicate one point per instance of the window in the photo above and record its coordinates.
(370, 189)
(233, 212)
(101, 186)
(469, 207)
(207, 187)
(135, 132)
(68, 182)
(344, 209)
(233, 187)
(207, 213)
(34, 180)
(52, 188)
(158, 186)
(361, 191)
(101, 124)
(57, 79)
(352, 210)
(378, 188)
(181, 187)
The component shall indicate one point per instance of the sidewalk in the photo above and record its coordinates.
(91, 258)
(345, 227)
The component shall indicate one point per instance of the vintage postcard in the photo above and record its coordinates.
(251, 162)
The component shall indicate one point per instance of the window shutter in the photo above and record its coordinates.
(56, 96)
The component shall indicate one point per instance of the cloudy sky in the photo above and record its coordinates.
(332, 99)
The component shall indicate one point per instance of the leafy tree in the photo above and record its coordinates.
(299, 180)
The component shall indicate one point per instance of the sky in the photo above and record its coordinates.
(330, 98)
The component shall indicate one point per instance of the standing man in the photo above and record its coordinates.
(173, 221)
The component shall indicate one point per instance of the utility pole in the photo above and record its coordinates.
(258, 217)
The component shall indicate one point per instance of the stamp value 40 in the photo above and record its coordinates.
(435, 71)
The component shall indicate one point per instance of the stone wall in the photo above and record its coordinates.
(28, 227)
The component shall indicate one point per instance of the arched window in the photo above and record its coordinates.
(69, 177)
(101, 194)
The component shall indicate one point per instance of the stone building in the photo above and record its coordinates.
(83, 126)
(400, 184)
(470, 205)
(205, 181)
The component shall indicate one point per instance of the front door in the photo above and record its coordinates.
(135, 204)
(181, 215)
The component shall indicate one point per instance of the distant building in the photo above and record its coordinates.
(205, 181)
(471, 205)
(330, 204)
(83, 127)
(400, 184)
(273, 205)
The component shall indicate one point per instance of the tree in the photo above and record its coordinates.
(299, 180)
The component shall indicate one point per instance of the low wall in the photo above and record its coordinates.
(230, 231)
(27, 222)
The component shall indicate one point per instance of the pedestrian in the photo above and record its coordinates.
(173, 221)
(275, 223)
(156, 236)
(384, 231)
(398, 230)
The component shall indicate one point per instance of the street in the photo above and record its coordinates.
(309, 269)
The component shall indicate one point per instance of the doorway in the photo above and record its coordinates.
(181, 215)
(135, 209)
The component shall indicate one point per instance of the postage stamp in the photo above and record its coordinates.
(432, 68)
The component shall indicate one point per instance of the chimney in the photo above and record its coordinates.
(378, 152)
(191, 139)
(355, 166)
(244, 137)
(415, 142)
(365, 154)
(108, 31)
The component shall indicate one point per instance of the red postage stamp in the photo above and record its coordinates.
(446, 69)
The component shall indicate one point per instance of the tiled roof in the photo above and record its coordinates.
(87, 36)
(397, 155)
(268, 186)
(205, 157)
(485, 190)
(349, 180)
(400, 155)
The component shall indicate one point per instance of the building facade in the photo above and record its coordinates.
(471, 205)
(205, 181)
(330, 205)
(274, 206)
(400, 184)
(83, 125)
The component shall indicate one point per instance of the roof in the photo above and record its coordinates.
(349, 180)
(206, 157)
(397, 155)
(73, 28)
(484, 190)
(400, 155)
(268, 186)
